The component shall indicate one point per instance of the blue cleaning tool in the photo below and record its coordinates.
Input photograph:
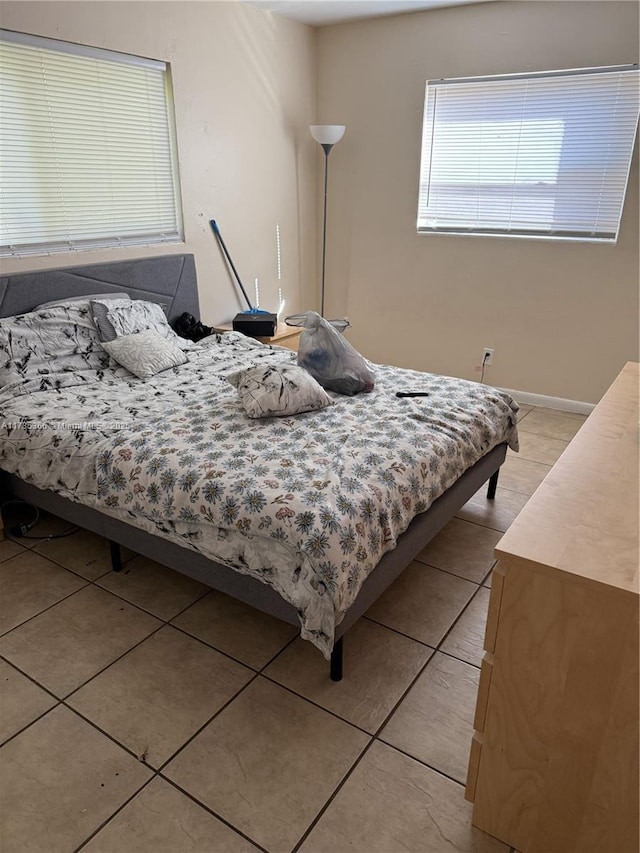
(216, 231)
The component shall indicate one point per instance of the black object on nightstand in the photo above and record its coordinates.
(255, 325)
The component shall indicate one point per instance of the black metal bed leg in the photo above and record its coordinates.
(116, 556)
(493, 484)
(336, 661)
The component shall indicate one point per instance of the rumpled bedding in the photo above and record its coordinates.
(307, 503)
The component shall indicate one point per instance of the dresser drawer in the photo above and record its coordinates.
(474, 766)
(495, 601)
(486, 673)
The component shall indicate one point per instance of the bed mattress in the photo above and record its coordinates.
(307, 503)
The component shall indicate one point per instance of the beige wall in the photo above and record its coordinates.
(562, 317)
(244, 88)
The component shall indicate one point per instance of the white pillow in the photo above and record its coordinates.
(145, 353)
(65, 300)
(278, 389)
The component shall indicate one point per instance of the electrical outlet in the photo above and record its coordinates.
(487, 356)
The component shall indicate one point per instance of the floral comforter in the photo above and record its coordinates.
(306, 503)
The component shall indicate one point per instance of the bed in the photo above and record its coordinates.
(307, 516)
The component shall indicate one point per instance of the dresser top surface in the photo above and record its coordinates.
(584, 517)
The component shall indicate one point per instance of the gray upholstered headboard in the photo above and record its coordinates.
(169, 279)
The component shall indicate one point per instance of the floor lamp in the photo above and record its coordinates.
(327, 135)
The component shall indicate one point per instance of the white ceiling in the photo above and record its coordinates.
(323, 12)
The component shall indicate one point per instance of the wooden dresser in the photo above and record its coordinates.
(554, 759)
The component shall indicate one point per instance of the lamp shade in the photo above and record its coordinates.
(327, 134)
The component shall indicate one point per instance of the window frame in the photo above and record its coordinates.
(495, 94)
(160, 216)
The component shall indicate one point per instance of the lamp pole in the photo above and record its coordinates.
(327, 135)
(326, 148)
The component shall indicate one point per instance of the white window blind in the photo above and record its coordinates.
(87, 148)
(541, 155)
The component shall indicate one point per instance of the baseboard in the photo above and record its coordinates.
(558, 403)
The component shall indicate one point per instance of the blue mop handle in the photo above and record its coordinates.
(216, 231)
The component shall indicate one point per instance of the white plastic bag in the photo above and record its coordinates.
(331, 359)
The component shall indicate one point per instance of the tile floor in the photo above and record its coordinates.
(144, 712)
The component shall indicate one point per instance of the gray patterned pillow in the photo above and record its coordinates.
(99, 313)
(145, 353)
(137, 315)
(279, 389)
(41, 348)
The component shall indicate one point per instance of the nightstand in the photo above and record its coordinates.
(285, 336)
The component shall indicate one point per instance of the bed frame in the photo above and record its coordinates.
(171, 280)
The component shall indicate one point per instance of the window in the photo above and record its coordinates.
(87, 148)
(538, 155)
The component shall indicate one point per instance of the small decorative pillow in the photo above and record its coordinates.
(278, 390)
(145, 353)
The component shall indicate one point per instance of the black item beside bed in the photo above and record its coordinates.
(171, 280)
